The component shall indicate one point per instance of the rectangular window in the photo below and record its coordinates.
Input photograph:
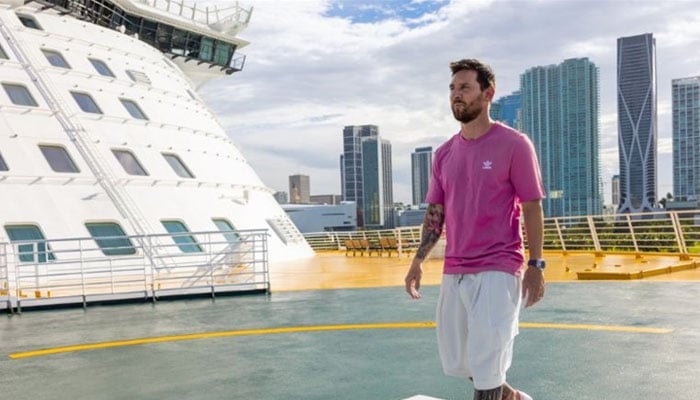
(86, 103)
(222, 52)
(58, 158)
(3, 54)
(36, 251)
(181, 237)
(177, 165)
(111, 239)
(3, 164)
(133, 108)
(19, 95)
(206, 49)
(101, 67)
(29, 22)
(55, 58)
(129, 162)
(227, 230)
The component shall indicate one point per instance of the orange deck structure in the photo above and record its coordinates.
(336, 270)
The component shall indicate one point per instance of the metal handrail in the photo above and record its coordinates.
(675, 232)
(77, 270)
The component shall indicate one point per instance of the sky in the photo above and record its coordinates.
(315, 66)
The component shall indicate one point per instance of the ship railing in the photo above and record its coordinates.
(82, 271)
(664, 232)
(233, 18)
(4, 279)
(398, 241)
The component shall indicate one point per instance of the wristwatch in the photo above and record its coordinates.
(539, 263)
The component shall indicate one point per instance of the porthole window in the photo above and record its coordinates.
(111, 239)
(133, 108)
(177, 165)
(29, 22)
(3, 164)
(19, 95)
(180, 234)
(86, 102)
(58, 158)
(33, 247)
(227, 230)
(3, 54)
(129, 162)
(101, 67)
(55, 58)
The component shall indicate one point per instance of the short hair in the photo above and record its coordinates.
(484, 73)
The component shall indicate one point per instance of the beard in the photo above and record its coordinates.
(468, 112)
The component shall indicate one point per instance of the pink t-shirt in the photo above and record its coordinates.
(481, 184)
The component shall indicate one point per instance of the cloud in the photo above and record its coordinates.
(309, 72)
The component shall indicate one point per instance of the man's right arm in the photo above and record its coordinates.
(433, 223)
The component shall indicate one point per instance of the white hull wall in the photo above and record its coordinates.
(225, 185)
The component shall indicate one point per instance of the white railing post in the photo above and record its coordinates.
(678, 229)
(82, 273)
(634, 238)
(594, 235)
(560, 234)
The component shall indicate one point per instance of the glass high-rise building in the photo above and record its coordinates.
(686, 138)
(637, 126)
(421, 168)
(366, 175)
(559, 112)
(507, 110)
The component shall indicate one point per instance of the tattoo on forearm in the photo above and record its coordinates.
(432, 229)
(491, 394)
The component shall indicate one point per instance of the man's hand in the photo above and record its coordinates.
(413, 279)
(533, 285)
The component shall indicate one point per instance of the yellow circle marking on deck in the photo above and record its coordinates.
(316, 328)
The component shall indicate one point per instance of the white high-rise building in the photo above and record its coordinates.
(637, 126)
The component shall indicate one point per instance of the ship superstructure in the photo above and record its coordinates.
(102, 132)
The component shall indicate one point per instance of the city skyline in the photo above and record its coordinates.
(345, 67)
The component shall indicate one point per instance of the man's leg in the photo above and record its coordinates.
(505, 392)
(493, 316)
(508, 392)
(490, 394)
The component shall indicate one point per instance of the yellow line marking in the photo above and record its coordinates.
(610, 328)
(315, 328)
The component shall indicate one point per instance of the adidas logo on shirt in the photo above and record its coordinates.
(487, 164)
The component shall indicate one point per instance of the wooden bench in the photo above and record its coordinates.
(388, 244)
(356, 245)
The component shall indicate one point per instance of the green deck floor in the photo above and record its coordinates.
(382, 364)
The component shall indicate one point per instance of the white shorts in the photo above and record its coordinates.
(477, 321)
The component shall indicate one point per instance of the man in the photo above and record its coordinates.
(482, 178)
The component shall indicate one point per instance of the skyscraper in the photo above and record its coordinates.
(559, 111)
(366, 175)
(636, 118)
(299, 189)
(507, 110)
(421, 168)
(616, 190)
(686, 138)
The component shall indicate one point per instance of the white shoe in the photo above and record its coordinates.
(523, 396)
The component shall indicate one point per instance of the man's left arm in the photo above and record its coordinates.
(533, 280)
